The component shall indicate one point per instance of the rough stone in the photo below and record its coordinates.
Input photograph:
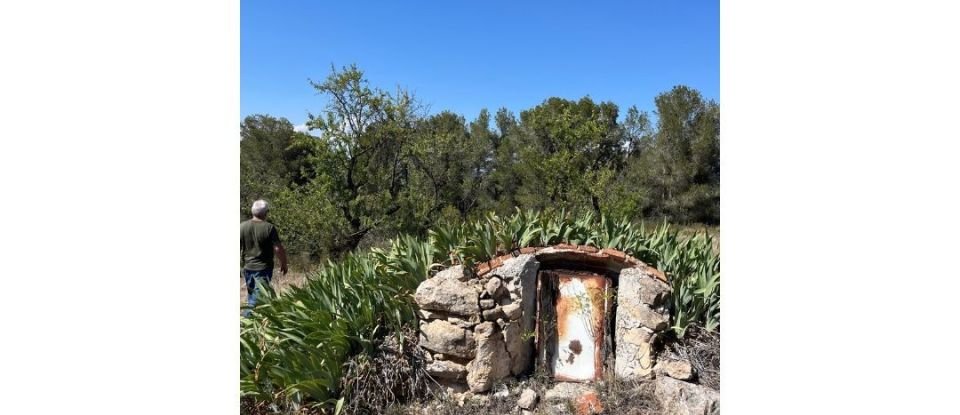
(491, 363)
(495, 288)
(465, 322)
(647, 288)
(445, 369)
(487, 303)
(633, 360)
(520, 274)
(430, 315)
(442, 337)
(447, 292)
(677, 369)
(528, 399)
(631, 313)
(512, 311)
(682, 398)
(519, 349)
(493, 314)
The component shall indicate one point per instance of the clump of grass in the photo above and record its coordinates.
(702, 349)
(395, 374)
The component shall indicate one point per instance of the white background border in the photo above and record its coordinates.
(120, 175)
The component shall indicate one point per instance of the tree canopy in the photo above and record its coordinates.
(377, 164)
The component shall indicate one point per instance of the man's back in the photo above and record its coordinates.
(257, 239)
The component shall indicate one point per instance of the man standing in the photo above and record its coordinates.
(259, 240)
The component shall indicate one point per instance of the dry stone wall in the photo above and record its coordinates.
(477, 323)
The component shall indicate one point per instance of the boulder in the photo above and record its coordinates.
(677, 397)
(442, 337)
(449, 293)
(491, 363)
(487, 303)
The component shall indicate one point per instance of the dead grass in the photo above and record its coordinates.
(702, 349)
(280, 282)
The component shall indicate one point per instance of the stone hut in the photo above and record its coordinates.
(576, 311)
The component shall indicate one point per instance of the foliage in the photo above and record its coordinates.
(379, 166)
(294, 345)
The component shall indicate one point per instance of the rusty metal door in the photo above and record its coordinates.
(576, 347)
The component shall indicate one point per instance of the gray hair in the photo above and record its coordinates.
(259, 208)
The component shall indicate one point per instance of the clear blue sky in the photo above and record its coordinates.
(464, 56)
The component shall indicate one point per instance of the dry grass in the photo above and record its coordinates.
(395, 374)
(294, 278)
(702, 349)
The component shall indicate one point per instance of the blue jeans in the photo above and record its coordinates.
(251, 278)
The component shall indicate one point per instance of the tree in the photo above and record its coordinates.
(367, 132)
(265, 165)
(682, 165)
(569, 154)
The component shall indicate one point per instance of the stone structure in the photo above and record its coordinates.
(480, 324)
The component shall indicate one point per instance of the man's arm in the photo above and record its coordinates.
(282, 254)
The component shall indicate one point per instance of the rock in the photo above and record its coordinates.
(495, 288)
(430, 315)
(439, 356)
(681, 398)
(447, 292)
(487, 304)
(491, 363)
(493, 314)
(445, 369)
(632, 315)
(503, 392)
(442, 337)
(677, 369)
(520, 276)
(526, 412)
(519, 349)
(528, 399)
(633, 360)
(512, 311)
(457, 272)
(464, 322)
(640, 284)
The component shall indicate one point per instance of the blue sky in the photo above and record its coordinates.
(464, 56)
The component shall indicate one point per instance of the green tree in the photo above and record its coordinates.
(366, 131)
(570, 152)
(265, 165)
(682, 164)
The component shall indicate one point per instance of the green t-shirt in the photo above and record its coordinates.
(257, 239)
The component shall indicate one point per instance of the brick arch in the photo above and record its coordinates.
(608, 258)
